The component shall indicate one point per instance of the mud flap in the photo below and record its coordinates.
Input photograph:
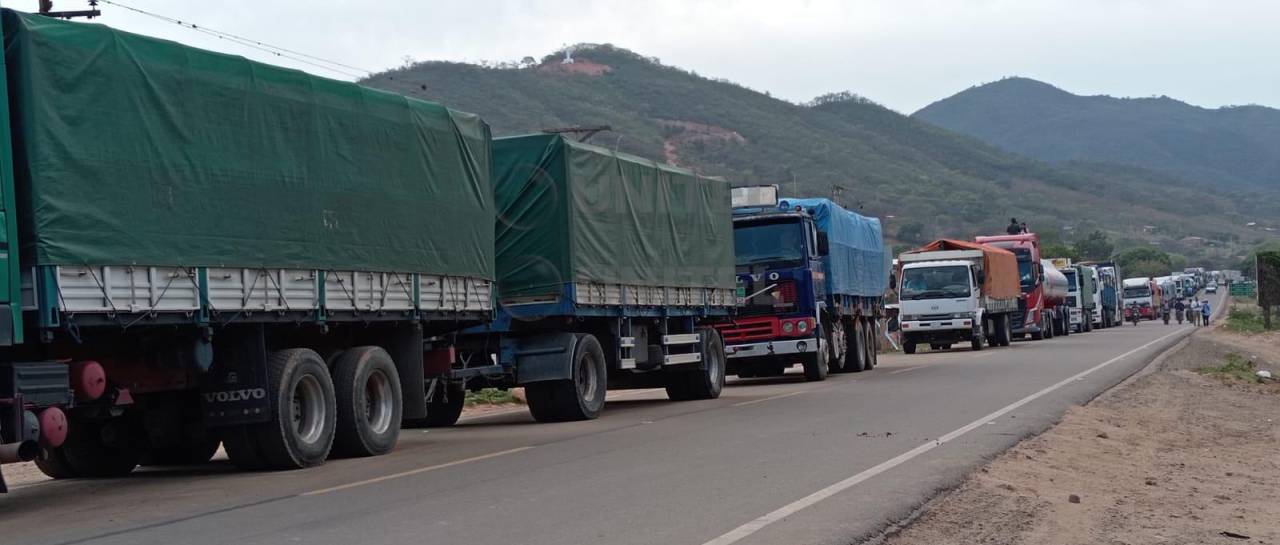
(234, 391)
(543, 357)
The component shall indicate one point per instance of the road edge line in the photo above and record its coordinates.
(410, 472)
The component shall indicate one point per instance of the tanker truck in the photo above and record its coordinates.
(1036, 310)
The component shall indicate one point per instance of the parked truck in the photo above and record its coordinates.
(1038, 306)
(1110, 309)
(1142, 292)
(811, 279)
(611, 269)
(199, 249)
(1081, 289)
(952, 291)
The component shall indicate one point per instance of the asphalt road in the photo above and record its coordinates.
(772, 461)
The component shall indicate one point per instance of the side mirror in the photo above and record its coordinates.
(982, 277)
(824, 245)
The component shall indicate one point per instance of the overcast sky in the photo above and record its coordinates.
(901, 53)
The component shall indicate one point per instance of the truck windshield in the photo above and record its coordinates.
(1025, 268)
(1132, 292)
(1071, 280)
(768, 242)
(935, 283)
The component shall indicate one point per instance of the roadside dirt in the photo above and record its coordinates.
(1171, 457)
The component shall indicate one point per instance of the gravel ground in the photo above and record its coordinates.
(1170, 457)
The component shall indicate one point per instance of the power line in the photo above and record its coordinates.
(298, 56)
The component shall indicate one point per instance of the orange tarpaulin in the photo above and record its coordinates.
(1001, 266)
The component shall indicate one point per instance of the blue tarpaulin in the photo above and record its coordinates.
(858, 263)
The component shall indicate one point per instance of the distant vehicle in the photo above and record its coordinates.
(1140, 291)
(953, 291)
(1110, 311)
(811, 279)
(1081, 294)
(1211, 288)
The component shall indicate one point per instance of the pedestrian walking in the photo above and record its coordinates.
(1205, 313)
(1195, 312)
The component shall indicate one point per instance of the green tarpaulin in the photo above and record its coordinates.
(134, 150)
(573, 212)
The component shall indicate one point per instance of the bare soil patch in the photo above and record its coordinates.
(1172, 457)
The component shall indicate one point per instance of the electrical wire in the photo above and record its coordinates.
(297, 56)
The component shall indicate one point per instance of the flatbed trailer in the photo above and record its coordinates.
(201, 250)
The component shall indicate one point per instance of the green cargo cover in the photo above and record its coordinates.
(135, 150)
(573, 212)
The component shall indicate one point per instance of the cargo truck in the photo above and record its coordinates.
(611, 269)
(1140, 291)
(1110, 309)
(953, 291)
(1080, 294)
(1037, 311)
(198, 249)
(811, 279)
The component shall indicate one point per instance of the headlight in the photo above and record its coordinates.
(962, 315)
(802, 325)
(787, 327)
(908, 318)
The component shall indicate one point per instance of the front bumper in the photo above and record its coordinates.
(778, 347)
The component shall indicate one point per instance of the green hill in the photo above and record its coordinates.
(1235, 147)
(887, 164)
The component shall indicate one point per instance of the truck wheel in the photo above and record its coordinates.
(871, 344)
(54, 464)
(839, 339)
(193, 451)
(369, 402)
(444, 407)
(578, 398)
(815, 365)
(98, 449)
(908, 347)
(704, 383)
(1004, 333)
(304, 411)
(855, 354)
(979, 339)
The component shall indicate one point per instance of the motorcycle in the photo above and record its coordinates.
(1134, 316)
(1165, 315)
(1180, 316)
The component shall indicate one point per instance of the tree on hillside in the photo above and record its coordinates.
(1057, 249)
(1143, 261)
(1096, 246)
(912, 232)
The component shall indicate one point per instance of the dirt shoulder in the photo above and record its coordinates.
(1174, 456)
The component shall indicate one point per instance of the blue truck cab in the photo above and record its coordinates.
(810, 283)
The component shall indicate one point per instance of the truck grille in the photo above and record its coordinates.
(749, 329)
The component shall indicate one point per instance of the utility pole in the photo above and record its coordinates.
(46, 9)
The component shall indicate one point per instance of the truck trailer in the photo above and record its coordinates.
(200, 249)
(811, 279)
(952, 291)
(1081, 290)
(611, 269)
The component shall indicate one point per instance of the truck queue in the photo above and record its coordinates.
(304, 269)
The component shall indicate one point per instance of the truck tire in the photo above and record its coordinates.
(369, 402)
(855, 359)
(444, 408)
(304, 411)
(95, 449)
(1066, 323)
(871, 345)
(54, 464)
(1004, 332)
(706, 383)
(840, 336)
(979, 340)
(908, 347)
(578, 398)
(815, 364)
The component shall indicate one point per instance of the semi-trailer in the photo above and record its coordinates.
(1081, 292)
(952, 291)
(1055, 298)
(811, 279)
(199, 249)
(611, 270)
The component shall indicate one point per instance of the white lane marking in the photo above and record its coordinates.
(414, 471)
(761, 522)
(906, 369)
(770, 398)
